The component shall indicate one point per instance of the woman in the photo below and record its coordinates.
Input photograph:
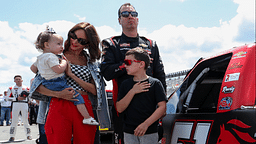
(64, 120)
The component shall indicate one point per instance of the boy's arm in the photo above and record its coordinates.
(159, 112)
(124, 102)
(33, 68)
(137, 88)
(61, 67)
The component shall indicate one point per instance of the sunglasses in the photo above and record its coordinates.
(126, 14)
(80, 40)
(129, 62)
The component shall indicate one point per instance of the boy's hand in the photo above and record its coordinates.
(141, 87)
(141, 130)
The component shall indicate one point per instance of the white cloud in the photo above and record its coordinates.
(181, 46)
(246, 9)
(106, 32)
(79, 17)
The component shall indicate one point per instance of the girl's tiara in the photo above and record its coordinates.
(50, 30)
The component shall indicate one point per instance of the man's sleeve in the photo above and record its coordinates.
(110, 67)
(9, 95)
(158, 71)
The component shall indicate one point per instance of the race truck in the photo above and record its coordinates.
(108, 131)
(215, 103)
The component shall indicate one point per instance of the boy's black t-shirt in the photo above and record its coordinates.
(142, 105)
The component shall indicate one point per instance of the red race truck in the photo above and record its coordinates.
(215, 104)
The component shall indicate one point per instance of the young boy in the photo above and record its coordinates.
(142, 99)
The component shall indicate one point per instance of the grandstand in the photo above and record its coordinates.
(173, 80)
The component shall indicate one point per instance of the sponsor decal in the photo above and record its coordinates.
(121, 67)
(124, 49)
(143, 45)
(239, 55)
(232, 77)
(163, 141)
(125, 45)
(235, 65)
(105, 46)
(103, 52)
(226, 136)
(225, 103)
(228, 90)
(149, 51)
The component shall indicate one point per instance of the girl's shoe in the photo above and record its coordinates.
(90, 121)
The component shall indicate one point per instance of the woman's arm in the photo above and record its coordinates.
(66, 94)
(90, 87)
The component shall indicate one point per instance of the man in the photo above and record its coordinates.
(114, 50)
(5, 109)
(20, 104)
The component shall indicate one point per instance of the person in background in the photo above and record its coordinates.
(5, 109)
(142, 99)
(114, 49)
(20, 105)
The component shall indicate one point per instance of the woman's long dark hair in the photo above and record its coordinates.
(92, 38)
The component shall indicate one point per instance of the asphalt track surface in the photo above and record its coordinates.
(20, 137)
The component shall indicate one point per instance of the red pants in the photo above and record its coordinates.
(64, 120)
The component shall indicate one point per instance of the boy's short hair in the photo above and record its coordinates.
(140, 54)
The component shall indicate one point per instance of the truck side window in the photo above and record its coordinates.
(204, 90)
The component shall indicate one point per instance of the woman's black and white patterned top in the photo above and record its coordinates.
(81, 72)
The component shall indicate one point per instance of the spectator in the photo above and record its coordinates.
(18, 95)
(5, 109)
(114, 49)
(142, 99)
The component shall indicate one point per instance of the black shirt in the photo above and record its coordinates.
(142, 105)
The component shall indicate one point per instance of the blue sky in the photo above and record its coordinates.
(154, 14)
(185, 30)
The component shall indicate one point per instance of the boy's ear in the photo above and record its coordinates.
(142, 64)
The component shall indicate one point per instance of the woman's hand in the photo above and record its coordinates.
(68, 70)
(68, 94)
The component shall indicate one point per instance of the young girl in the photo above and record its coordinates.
(51, 68)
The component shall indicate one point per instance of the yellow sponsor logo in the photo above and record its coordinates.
(103, 129)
